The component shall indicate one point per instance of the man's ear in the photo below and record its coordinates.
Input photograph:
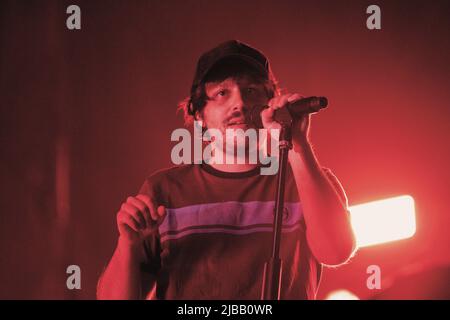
(199, 117)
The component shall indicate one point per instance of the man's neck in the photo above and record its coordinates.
(237, 165)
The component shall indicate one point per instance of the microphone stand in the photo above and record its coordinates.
(273, 268)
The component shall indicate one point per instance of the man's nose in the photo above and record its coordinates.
(239, 104)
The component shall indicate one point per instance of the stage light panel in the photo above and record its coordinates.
(383, 221)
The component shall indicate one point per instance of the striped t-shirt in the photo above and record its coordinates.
(217, 235)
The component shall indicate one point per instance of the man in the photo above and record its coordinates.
(204, 231)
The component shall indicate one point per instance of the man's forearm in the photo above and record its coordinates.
(122, 277)
(329, 232)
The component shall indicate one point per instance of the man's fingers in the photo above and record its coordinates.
(274, 102)
(135, 213)
(126, 219)
(281, 101)
(150, 205)
(143, 197)
(142, 206)
(294, 97)
(278, 102)
(161, 211)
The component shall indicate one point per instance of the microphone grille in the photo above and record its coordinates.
(323, 101)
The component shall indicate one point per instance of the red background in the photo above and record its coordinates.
(106, 96)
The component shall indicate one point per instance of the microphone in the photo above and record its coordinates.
(296, 109)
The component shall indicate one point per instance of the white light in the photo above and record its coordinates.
(383, 220)
(341, 295)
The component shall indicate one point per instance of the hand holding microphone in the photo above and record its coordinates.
(296, 105)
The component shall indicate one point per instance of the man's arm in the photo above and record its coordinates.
(328, 229)
(138, 218)
(122, 277)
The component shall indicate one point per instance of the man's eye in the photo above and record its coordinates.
(221, 93)
(251, 90)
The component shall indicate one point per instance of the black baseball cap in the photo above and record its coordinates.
(229, 49)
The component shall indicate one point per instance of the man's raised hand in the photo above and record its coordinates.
(139, 217)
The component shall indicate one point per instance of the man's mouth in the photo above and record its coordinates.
(237, 124)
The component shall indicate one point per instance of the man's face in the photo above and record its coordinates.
(230, 101)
